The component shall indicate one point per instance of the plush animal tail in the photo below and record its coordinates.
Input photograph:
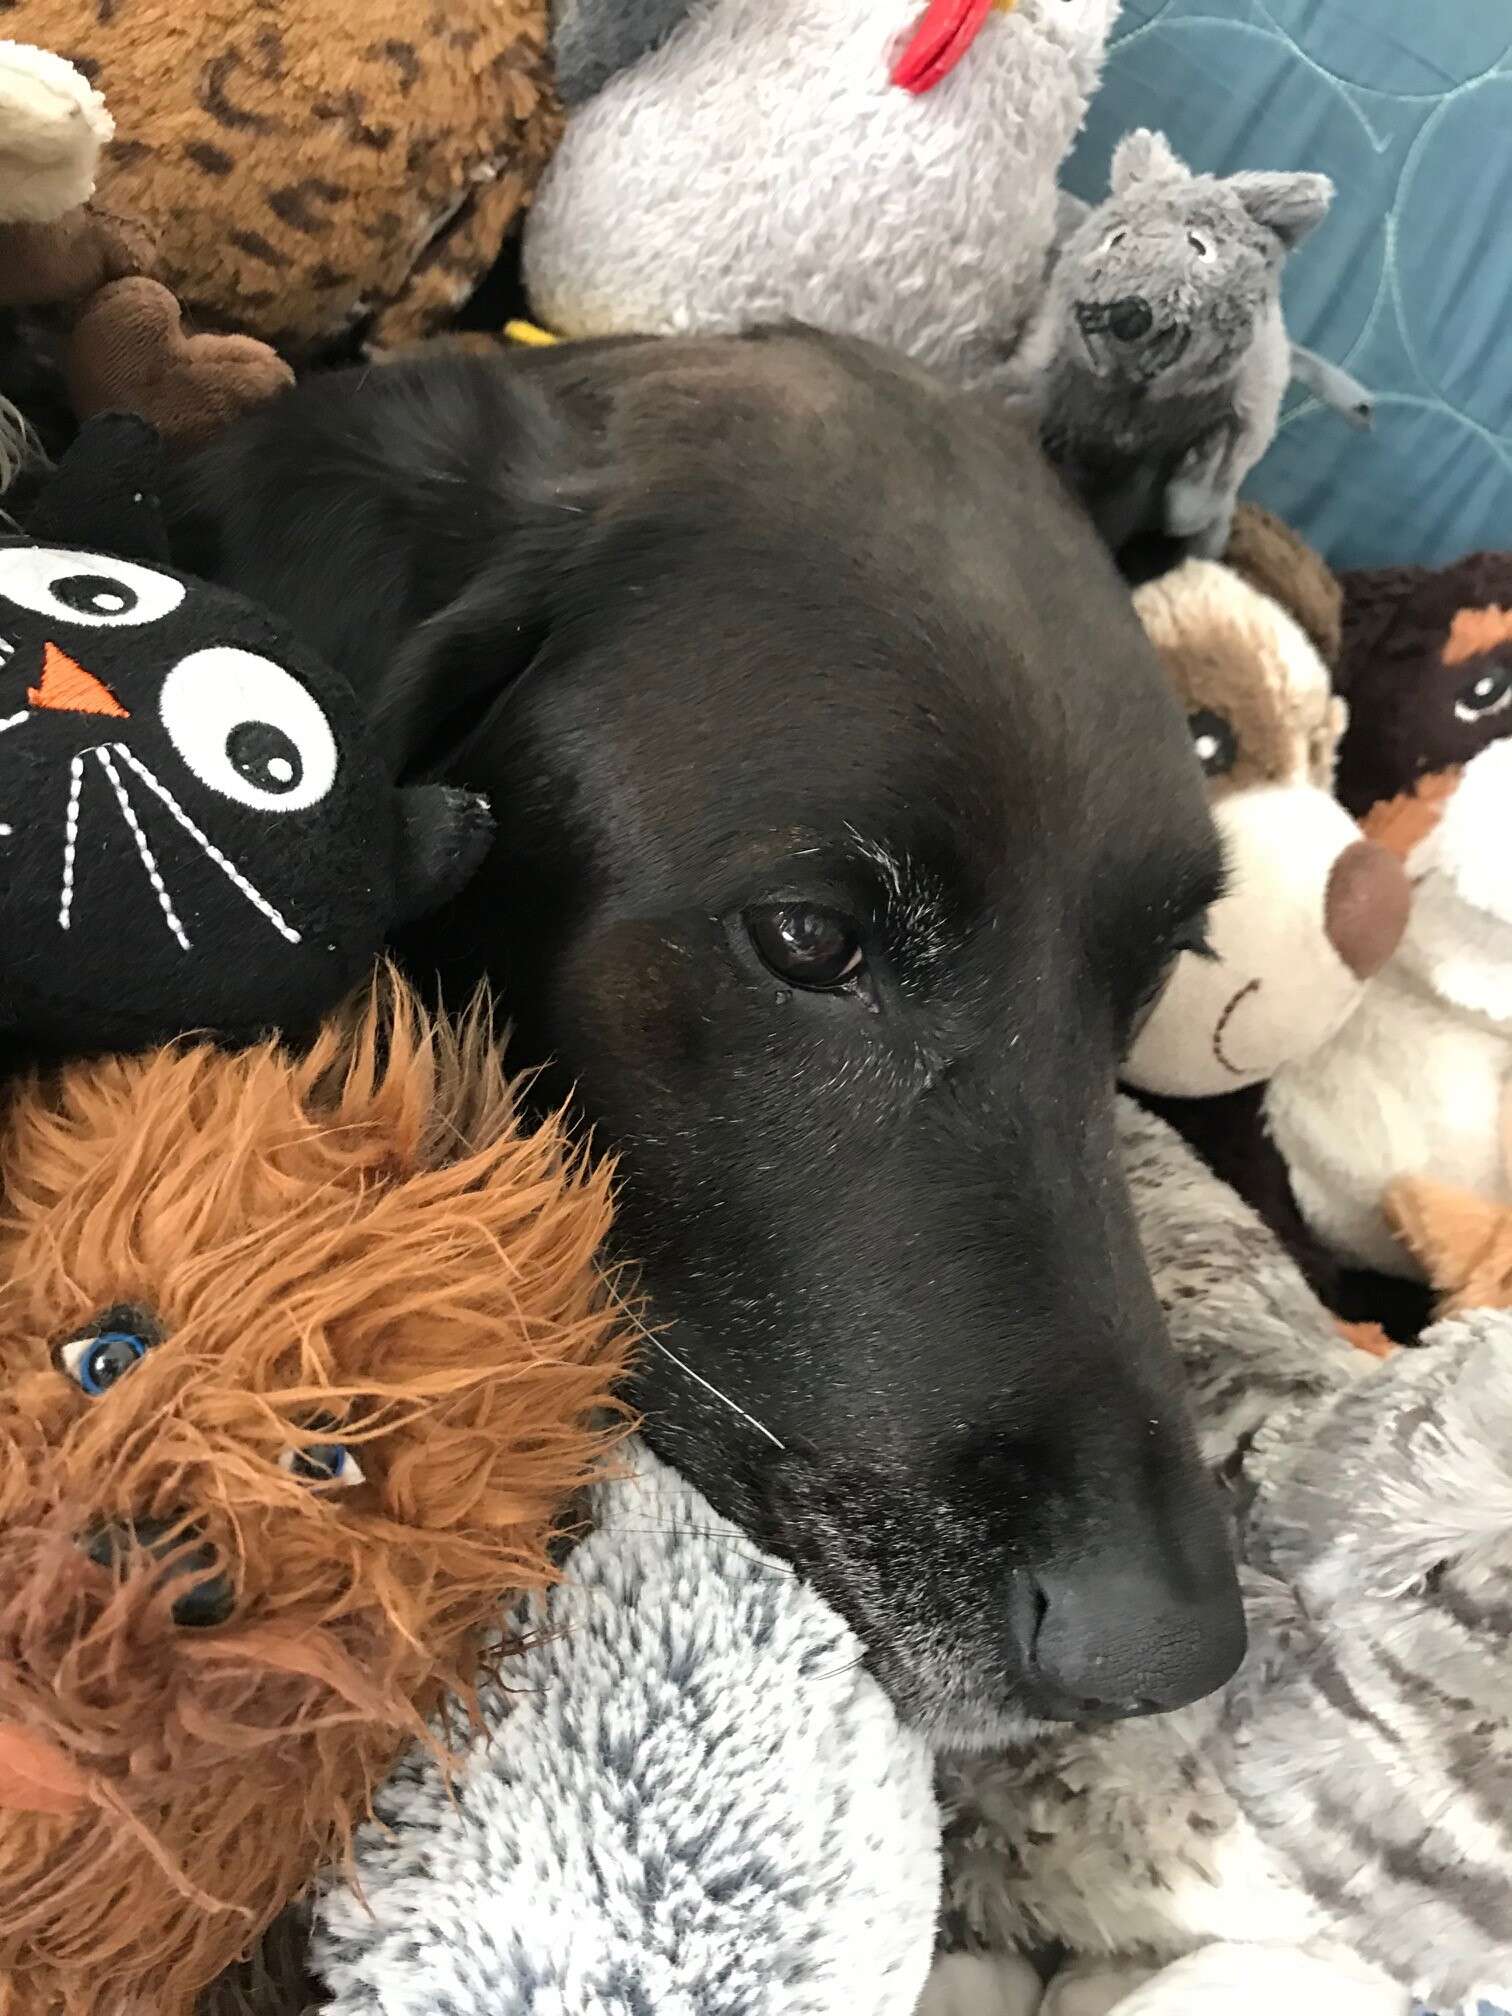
(1334, 386)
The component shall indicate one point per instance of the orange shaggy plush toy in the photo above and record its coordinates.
(304, 1361)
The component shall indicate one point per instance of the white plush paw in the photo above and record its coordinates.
(980, 1984)
(53, 124)
(1237, 1980)
(1093, 1987)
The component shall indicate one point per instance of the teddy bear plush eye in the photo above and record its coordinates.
(329, 1463)
(1215, 742)
(249, 730)
(96, 1363)
(86, 588)
(1490, 692)
(1199, 245)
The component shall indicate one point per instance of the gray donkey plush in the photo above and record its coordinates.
(1158, 357)
(1334, 1830)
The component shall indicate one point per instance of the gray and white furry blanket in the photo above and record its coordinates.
(692, 1801)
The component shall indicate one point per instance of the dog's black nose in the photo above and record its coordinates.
(207, 1596)
(1124, 1636)
(1130, 320)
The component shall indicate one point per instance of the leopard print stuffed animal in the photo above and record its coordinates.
(309, 169)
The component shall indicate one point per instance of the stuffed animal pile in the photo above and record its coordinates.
(320, 1556)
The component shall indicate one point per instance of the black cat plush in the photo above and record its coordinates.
(196, 829)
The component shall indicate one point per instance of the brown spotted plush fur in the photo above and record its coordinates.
(307, 166)
(362, 1247)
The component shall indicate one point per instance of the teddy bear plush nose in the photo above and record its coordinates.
(206, 1596)
(1127, 321)
(1365, 909)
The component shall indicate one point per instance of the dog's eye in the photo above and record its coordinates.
(807, 946)
(1489, 693)
(1215, 742)
(97, 1362)
(330, 1463)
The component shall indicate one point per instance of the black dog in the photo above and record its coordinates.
(845, 825)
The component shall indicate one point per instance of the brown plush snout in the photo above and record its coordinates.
(1365, 910)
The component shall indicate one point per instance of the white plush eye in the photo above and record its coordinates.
(329, 1463)
(1114, 239)
(249, 730)
(86, 588)
(1199, 245)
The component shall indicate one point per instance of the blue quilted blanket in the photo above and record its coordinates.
(1407, 104)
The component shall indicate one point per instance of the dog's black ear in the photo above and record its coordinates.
(472, 651)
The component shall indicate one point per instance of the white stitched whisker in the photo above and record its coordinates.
(70, 841)
(207, 846)
(683, 1366)
(15, 720)
(144, 849)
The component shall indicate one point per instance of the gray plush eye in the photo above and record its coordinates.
(249, 729)
(1199, 245)
(87, 589)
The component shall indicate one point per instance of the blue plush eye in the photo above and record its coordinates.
(97, 1362)
(330, 1463)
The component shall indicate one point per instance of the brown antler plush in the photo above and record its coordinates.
(303, 1363)
(90, 274)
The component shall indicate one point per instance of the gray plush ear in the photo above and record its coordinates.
(1143, 156)
(443, 837)
(593, 40)
(1289, 205)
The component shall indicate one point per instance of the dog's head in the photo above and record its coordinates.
(299, 1364)
(847, 826)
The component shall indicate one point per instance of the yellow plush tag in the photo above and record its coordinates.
(529, 332)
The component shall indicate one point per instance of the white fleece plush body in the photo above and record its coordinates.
(1415, 1081)
(761, 165)
(692, 1800)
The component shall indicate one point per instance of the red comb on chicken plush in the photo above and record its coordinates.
(946, 30)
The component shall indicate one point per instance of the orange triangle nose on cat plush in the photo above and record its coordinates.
(69, 689)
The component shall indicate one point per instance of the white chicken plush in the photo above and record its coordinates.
(881, 168)
(1415, 1081)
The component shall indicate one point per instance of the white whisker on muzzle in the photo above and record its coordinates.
(144, 849)
(208, 848)
(697, 1377)
(70, 842)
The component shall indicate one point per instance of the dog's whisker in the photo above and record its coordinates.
(208, 847)
(144, 850)
(697, 1377)
(734, 1543)
(70, 841)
